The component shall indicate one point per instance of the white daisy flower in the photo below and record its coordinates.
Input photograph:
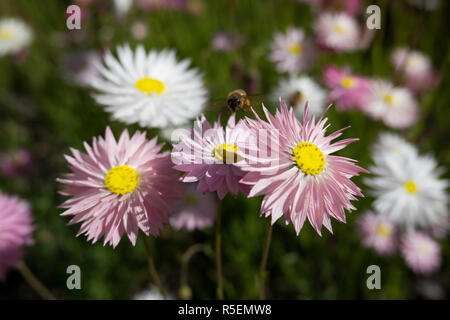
(154, 89)
(292, 51)
(298, 90)
(338, 31)
(15, 35)
(395, 106)
(121, 7)
(408, 190)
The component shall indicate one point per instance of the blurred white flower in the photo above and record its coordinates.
(292, 51)
(15, 36)
(299, 90)
(408, 189)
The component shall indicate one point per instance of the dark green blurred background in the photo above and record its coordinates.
(45, 114)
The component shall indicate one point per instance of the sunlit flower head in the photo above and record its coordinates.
(408, 190)
(16, 226)
(195, 211)
(152, 89)
(15, 36)
(415, 67)
(395, 106)
(421, 253)
(346, 89)
(338, 31)
(292, 51)
(376, 233)
(210, 155)
(297, 91)
(298, 175)
(119, 187)
(121, 7)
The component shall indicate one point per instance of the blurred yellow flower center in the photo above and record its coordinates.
(389, 98)
(150, 85)
(295, 49)
(121, 179)
(383, 230)
(5, 34)
(191, 199)
(226, 152)
(423, 249)
(339, 29)
(309, 158)
(347, 82)
(410, 186)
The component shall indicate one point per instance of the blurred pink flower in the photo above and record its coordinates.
(80, 67)
(120, 187)
(292, 51)
(421, 253)
(347, 90)
(15, 162)
(196, 210)
(415, 67)
(297, 175)
(351, 7)
(210, 155)
(225, 41)
(376, 233)
(16, 226)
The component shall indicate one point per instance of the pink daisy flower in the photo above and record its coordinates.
(395, 106)
(120, 187)
(297, 174)
(16, 226)
(376, 233)
(210, 155)
(348, 90)
(292, 51)
(196, 210)
(416, 68)
(421, 253)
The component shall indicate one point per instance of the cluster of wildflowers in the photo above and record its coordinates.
(410, 202)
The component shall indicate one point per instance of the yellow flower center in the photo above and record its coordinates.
(389, 98)
(347, 82)
(309, 158)
(295, 49)
(339, 29)
(5, 34)
(383, 230)
(121, 179)
(190, 199)
(424, 249)
(226, 152)
(410, 186)
(150, 85)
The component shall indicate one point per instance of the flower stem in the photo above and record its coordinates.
(219, 252)
(152, 269)
(262, 266)
(34, 282)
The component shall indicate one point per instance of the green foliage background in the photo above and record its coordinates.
(41, 111)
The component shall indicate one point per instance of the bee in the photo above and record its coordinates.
(238, 100)
(295, 98)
